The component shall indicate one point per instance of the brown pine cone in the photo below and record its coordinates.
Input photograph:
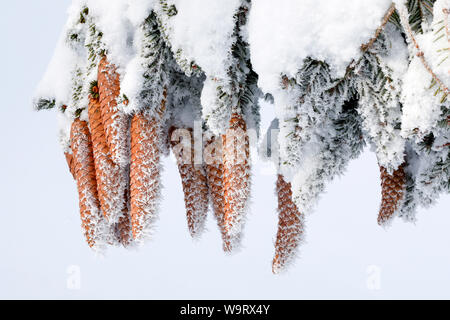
(236, 177)
(214, 173)
(92, 221)
(194, 181)
(144, 173)
(392, 190)
(290, 227)
(115, 122)
(112, 180)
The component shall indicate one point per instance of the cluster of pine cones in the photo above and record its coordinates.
(119, 183)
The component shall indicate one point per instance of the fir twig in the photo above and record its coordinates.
(409, 32)
(45, 104)
(365, 47)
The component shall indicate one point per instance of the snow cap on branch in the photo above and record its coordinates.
(284, 34)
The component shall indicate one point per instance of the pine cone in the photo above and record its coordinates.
(144, 173)
(194, 181)
(214, 173)
(112, 180)
(123, 232)
(92, 222)
(70, 163)
(290, 227)
(115, 122)
(236, 177)
(392, 190)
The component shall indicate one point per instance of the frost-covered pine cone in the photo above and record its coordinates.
(112, 180)
(92, 221)
(144, 173)
(290, 227)
(214, 173)
(236, 177)
(392, 190)
(115, 122)
(195, 187)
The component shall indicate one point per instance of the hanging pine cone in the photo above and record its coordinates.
(214, 173)
(70, 163)
(144, 173)
(145, 170)
(112, 180)
(122, 229)
(194, 181)
(92, 222)
(290, 227)
(236, 177)
(115, 122)
(392, 190)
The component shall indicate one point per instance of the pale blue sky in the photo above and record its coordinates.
(41, 242)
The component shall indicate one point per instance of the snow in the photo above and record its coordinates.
(379, 106)
(118, 19)
(434, 48)
(202, 29)
(58, 68)
(57, 80)
(422, 107)
(281, 36)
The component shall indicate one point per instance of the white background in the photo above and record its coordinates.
(42, 253)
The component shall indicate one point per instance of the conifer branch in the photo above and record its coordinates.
(420, 54)
(365, 47)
